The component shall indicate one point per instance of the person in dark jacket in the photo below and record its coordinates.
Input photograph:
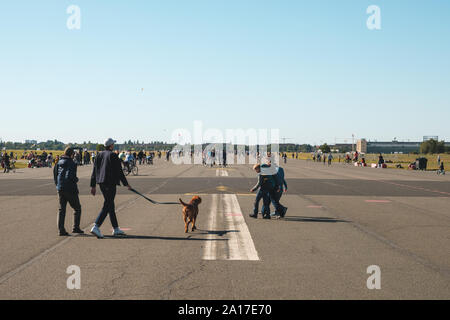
(107, 173)
(65, 177)
(279, 193)
(6, 162)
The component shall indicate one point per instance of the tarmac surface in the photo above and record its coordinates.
(341, 220)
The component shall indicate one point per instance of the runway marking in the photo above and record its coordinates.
(318, 207)
(226, 215)
(221, 173)
(378, 201)
(233, 214)
(209, 252)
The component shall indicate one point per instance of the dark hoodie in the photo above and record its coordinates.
(65, 175)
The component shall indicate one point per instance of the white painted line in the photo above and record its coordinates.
(244, 239)
(209, 252)
(225, 210)
(221, 173)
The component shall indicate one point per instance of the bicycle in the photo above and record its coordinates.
(132, 168)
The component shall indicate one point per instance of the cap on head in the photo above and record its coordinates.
(109, 142)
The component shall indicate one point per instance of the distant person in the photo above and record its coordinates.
(65, 177)
(107, 173)
(439, 160)
(122, 156)
(79, 158)
(330, 158)
(224, 158)
(50, 160)
(6, 162)
(380, 161)
(363, 161)
(129, 160)
(441, 168)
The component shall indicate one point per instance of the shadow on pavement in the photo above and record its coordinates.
(312, 219)
(155, 237)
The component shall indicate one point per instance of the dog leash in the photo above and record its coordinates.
(152, 201)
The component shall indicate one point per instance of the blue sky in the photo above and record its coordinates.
(310, 68)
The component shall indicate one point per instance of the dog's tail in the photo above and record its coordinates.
(184, 204)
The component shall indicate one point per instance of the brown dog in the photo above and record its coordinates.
(190, 212)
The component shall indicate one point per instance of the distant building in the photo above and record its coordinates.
(31, 141)
(361, 146)
(394, 146)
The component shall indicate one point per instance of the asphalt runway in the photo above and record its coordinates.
(341, 220)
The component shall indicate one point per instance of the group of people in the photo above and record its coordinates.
(209, 158)
(107, 173)
(323, 157)
(271, 185)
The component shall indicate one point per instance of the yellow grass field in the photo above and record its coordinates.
(403, 159)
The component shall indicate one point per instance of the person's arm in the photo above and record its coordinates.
(93, 175)
(55, 174)
(257, 185)
(72, 173)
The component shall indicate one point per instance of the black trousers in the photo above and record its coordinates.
(270, 195)
(109, 194)
(74, 201)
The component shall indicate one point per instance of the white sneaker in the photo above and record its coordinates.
(118, 232)
(96, 232)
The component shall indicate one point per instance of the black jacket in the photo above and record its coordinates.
(65, 175)
(107, 170)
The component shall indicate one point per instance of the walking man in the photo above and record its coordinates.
(281, 182)
(108, 174)
(65, 177)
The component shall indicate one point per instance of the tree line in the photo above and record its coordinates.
(434, 146)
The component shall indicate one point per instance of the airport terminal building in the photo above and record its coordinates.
(364, 146)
